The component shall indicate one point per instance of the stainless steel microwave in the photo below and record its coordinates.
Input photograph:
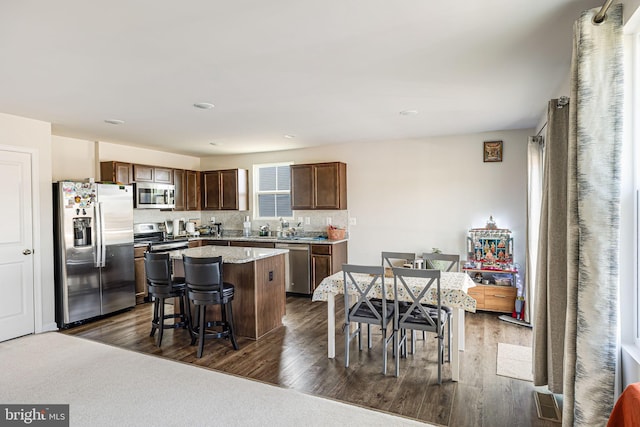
(150, 195)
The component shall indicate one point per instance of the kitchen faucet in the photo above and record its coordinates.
(284, 224)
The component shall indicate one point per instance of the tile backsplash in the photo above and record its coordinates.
(232, 220)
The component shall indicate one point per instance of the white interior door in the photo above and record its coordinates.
(16, 246)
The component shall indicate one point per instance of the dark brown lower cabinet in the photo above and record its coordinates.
(140, 275)
(326, 260)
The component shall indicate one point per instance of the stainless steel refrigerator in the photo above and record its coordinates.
(94, 269)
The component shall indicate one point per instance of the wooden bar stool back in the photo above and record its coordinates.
(162, 287)
(206, 288)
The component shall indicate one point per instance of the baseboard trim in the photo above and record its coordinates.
(507, 318)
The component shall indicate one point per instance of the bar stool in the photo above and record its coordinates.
(161, 287)
(205, 287)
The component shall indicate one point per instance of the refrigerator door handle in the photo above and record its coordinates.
(97, 236)
(103, 254)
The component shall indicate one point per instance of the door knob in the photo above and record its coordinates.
(26, 252)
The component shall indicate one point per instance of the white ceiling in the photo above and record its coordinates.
(326, 71)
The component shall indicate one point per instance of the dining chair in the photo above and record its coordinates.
(162, 286)
(415, 284)
(206, 287)
(444, 262)
(448, 263)
(369, 307)
(398, 259)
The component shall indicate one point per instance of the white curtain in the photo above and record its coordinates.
(593, 219)
(535, 159)
(576, 294)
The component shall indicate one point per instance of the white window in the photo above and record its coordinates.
(272, 194)
(630, 289)
(632, 115)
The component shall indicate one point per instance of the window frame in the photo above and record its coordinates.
(257, 192)
(629, 325)
(634, 116)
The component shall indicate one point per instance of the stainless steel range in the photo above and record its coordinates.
(152, 235)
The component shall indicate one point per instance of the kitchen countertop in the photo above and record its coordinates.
(229, 254)
(271, 239)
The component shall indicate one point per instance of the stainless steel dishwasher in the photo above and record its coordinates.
(298, 279)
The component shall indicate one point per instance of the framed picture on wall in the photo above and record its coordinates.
(492, 151)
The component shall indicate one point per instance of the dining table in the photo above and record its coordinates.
(453, 293)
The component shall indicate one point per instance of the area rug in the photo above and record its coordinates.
(109, 386)
(514, 361)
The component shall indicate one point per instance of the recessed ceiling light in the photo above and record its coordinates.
(409, 112)
(203, 105)
(289, 136)
(114, 121)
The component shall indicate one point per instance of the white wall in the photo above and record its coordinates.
(145, 156)
(75, 159)
(72, 159)
(35, 136)
(416, 195)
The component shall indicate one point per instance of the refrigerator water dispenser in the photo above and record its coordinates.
(81, 232)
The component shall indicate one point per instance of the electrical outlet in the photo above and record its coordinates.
(307, 220)
(328, 220)
(352, 221)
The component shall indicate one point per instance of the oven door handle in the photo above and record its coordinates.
(164, 247)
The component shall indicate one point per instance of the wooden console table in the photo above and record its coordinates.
(491, 297)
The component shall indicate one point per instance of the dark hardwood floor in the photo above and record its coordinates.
(295, 356)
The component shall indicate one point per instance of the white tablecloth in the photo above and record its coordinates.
(453, 289)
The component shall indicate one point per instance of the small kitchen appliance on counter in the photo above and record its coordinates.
(179, 227)
(216, 229)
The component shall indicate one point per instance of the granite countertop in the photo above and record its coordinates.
(272, 239)
(229, 254)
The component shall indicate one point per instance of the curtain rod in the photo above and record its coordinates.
(561, 102)
(541, 129)
(603, 12)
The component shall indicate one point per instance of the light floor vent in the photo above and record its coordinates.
(547, 407)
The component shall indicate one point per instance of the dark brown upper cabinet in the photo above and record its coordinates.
(192, 192)
(142, 173)
(187, 194)
(163, 175)
(118, 172)
(319, 186)
(179, 181)
(225, 190)
(145, 173)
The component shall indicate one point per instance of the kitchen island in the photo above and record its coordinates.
(265, 241)
(259, 278)
(311, 258)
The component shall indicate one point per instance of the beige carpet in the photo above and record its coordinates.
(514, 361)
(108, 386)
